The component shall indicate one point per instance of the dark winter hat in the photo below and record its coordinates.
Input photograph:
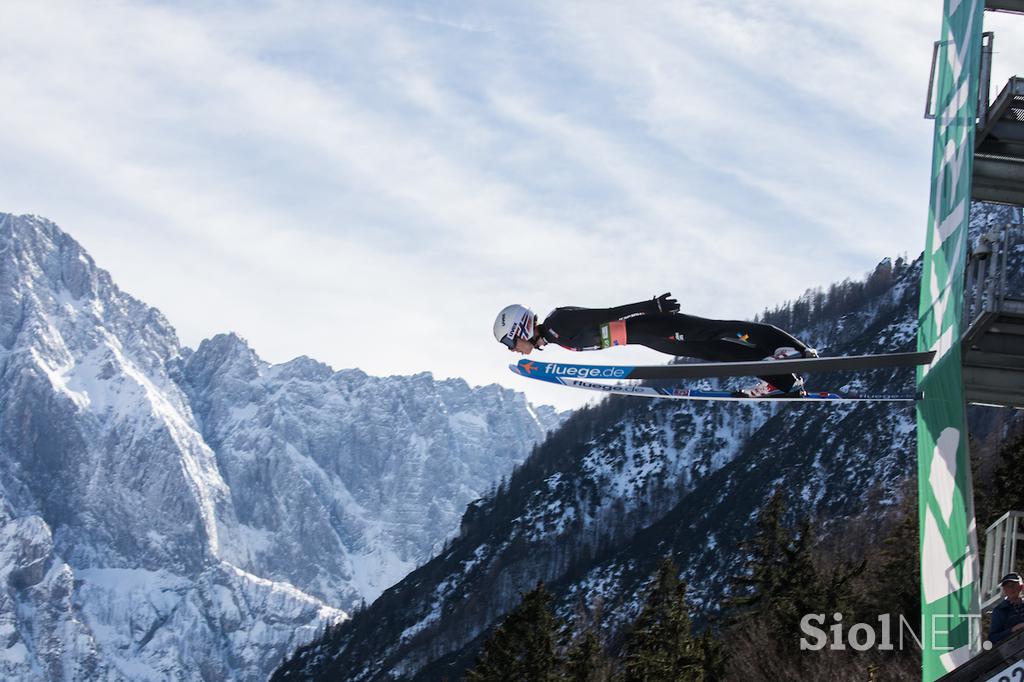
(1011, 578)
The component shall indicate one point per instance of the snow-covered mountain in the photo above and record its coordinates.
(369, 474)
(176, 514)
(625, 483)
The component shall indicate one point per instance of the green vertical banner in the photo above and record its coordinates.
(949, 546)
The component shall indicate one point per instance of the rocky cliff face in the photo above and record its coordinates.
(621, 485)
(342, 483)
(176, 514)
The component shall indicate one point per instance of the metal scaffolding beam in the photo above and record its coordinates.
(999, 147)
(992, 344)
(1005, 5)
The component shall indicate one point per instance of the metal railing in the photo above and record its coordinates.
(985, 86)
(1000, 554)
(987, 41)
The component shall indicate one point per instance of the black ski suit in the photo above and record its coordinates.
(671, 333)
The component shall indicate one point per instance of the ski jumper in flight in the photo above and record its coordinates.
(659, 325)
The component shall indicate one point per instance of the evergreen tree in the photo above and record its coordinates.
(585, 657)
(523, 646)
(778, 557)
(895, 578)
(660, 646)
(585, 661)
(781, 582)
(1006, 491)
(711, 657)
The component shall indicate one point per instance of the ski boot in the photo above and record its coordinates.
(763, 389)
(790, 353)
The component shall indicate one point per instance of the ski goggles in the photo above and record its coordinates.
(514, 334)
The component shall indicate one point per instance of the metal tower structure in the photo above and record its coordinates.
(978, 154)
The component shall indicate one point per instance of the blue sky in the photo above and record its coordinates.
(368, 183)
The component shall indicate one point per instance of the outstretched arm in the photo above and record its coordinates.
(659, 304)
(566, 324)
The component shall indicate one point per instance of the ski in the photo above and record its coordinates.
(703, 370)
(700, 394)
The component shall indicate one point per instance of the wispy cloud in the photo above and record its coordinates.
(368, 184)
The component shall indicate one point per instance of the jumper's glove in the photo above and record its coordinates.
(667, 304)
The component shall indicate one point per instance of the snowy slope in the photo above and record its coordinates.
(170, 514)
(622, 484)
(343, 483)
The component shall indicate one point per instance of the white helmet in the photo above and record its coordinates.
(514, 322)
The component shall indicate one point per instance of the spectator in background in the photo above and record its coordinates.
(1008, 615)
